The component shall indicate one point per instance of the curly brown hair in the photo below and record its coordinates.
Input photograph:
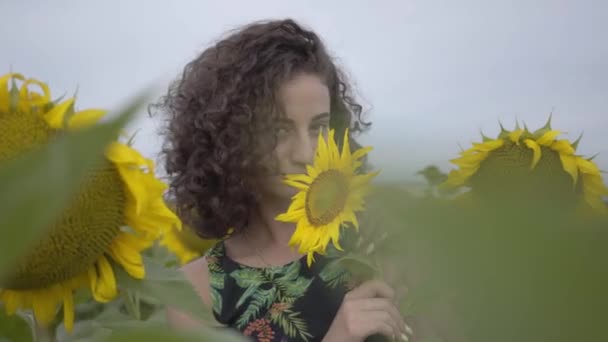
(222, 109)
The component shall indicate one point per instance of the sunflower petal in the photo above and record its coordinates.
(489, 146)
(45, 306)
(102, 281)
(56, 115)
(587, 167)
(68, 310)
(536, 149)
(85, 118)
(563, 147)
(5, 96)
(12, 300)
(28, 99)
(570, 166)
(515, 135)
(321, 161)
(470, 160)
(547, 138)
(128, 256)
(306, 179)
(292, 215)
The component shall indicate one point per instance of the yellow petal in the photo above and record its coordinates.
(306, 179)
(45, 306)
(569, 164)
(360, 153)
(350, 216)
(312, 172)
(515, 135)
(548, 138)
(536, 148)
(470, 160)
(12, 300)
(56, 115)
(321, 161)
(85, 118)
(128, 257)
(489, 146)
(120, 153)
(291, 216)
(458, 178)
(346, 157)
(587, 167)
(310, 258)
(68, 310)
(296, 185)
(563, 147)
(102, 281)
(28, 99)
(5, 96)
(334, 154)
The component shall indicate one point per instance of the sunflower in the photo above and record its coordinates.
(185, 244)
(330, 194)
(528, 165)
(117, 212)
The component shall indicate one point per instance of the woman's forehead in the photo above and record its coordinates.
(304, 97)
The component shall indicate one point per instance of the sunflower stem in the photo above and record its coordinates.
(132, 304)
(41, 333)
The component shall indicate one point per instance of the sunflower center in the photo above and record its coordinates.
(87, 226)
(326, 197)
(21, 132)
(506, 175)
(80, 236)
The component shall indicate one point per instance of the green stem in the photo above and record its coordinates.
(42, 334)
(132, 304)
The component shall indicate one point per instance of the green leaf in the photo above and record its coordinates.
(160, 334)
(14, 328)
(261, 299)
(246, 294)
(247, 277)
(333, 275)
(358, 267)
(292, 324)
(37, 185)
(168, 286)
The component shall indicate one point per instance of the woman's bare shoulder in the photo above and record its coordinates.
(197, 273)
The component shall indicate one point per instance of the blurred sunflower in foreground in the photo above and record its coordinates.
(117, 213)
(185, 244)
(520, 167)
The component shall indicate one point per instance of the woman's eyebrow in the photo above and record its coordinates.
(321, 116)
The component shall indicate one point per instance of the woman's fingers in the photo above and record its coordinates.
(375, 324)
(381, 304)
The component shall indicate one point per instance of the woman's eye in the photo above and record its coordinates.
(282, 131)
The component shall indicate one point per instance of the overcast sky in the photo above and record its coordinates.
(431, 73)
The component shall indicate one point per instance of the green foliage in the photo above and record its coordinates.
(14, 328)
(478, 272)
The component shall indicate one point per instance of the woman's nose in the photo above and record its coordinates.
(302, 150)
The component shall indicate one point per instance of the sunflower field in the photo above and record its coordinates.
(509, 245)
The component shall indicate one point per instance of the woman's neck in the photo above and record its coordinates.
(264, 230)
(265, 241)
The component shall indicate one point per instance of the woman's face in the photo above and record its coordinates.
(306, 103)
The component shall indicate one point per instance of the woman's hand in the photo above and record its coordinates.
(367, 310)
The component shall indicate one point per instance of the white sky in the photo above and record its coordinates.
(432, 73)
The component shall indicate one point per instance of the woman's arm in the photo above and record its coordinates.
(197, 274)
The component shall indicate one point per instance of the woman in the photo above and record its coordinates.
(246, 112)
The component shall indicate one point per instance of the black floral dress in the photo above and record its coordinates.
(293, 302)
